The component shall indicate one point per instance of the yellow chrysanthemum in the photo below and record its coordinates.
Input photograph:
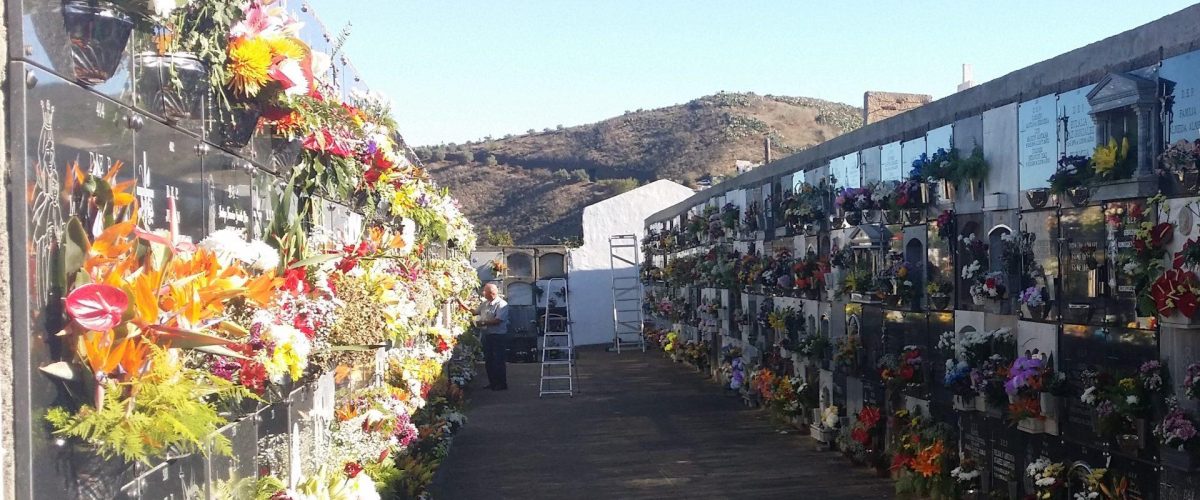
(249, 63)
(288, 47)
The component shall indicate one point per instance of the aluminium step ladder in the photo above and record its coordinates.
(558, 346)
(625, 269)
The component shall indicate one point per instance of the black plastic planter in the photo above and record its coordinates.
(1038, 197)
(98, 33)
(238, 125)
(171, 86)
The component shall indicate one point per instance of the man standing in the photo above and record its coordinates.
(493, 320)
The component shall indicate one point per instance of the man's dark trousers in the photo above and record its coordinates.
(495, 347)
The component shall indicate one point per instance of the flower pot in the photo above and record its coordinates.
(854, 218)
(1038, 197)
(914, 216)
(238, 127)
(894, 217)
(965, 403)
(1035, 312)
(1129, 443)
(172, 86)
(977, 300)
(1176, 459)
(1189, 180)
(1032, 425)
(873, 216)
(811, 229)
(98, 33)
(1050, 405)
(1079, 195)
(939, 301)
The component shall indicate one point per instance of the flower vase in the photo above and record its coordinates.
(1032, 425)
(172, 86)
(873, 216)
(1129, 443)
(1036, 313)
(1079, 195)
(977, 300)
(894, 217)
(238, 127)
(914, 216)
(1050, 405)
(854, 218)
(1038, 197)
(1189, 180)
(99, 33)
(1176, 459)
(965, 403)
(925, 193)
(939, 301)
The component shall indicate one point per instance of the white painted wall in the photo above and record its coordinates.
(591, 275)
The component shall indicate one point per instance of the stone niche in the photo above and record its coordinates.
(1125, 105)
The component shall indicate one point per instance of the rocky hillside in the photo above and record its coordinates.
(536, 185)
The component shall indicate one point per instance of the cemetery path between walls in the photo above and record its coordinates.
(640, 427)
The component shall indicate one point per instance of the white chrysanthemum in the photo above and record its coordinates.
(261, 256)
(227, 244)
(1131, 399)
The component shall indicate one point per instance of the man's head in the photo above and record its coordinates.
(490, 291)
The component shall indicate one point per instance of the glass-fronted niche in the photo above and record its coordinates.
(179, 184)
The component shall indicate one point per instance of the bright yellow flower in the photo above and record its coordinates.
(249, 63)
(288, 47)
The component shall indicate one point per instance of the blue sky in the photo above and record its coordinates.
(462, 70)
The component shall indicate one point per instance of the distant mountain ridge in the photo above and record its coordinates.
(533, 185)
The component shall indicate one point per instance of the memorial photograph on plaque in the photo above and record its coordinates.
(1037, 133)
(1085, 266)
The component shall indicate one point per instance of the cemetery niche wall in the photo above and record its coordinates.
(235, 281)
(970, 298)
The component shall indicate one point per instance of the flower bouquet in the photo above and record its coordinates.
(1177, 432)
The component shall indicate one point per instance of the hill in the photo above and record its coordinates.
(534, 186)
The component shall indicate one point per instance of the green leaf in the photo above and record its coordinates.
(315, 260)
(76, 249)
(219, 350)
(187, 339)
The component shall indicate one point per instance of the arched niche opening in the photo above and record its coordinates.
(519, 294)
(520, 265)
(552, 265)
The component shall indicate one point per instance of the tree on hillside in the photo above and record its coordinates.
(530, 132)
(559, 127)
(439, 154)
(581, 175)
(562, 175)
(618, 186)
(496, 238)
(491, 160)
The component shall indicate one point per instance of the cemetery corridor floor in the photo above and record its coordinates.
(640, 427)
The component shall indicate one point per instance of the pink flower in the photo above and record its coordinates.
(97, 307)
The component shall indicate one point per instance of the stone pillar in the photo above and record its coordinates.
(1145, 146)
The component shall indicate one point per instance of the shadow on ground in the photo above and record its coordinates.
(639, 427)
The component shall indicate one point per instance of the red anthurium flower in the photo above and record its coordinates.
(352, 469)
(1187, 302)
(1162, 233)
(97, 307)
(861, 436)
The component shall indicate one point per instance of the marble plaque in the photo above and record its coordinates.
(1184, 72)
(1076, 130)
(1037, 139)
(910, 151)
(891, 164)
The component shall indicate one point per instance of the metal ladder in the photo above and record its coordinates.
(558, 346)
(624, 263)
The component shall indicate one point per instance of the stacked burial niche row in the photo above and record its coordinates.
(87, 92)
(1055, 237)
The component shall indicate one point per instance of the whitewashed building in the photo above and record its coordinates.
(591, 274)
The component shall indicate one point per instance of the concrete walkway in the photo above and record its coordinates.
(641, 427)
